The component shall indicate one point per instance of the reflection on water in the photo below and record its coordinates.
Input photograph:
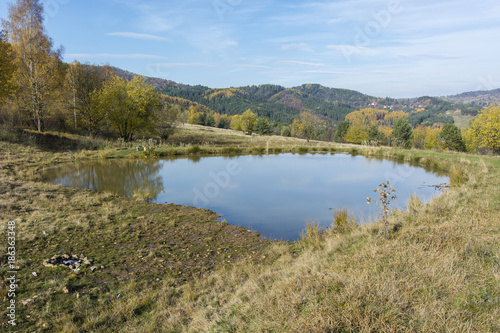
(274, 195)
(121, 177)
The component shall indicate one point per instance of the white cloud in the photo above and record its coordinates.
(112, 56)
(300, 46)
(137, 36)
(299, 63)
(254, 66)
(183, 65)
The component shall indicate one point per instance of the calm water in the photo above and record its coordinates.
(274, 195)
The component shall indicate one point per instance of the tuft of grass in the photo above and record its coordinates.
(414, 204)
(194, 150)
(302, 150)
(259, 150)
(457, 176)
(313, 236)
(342, 222)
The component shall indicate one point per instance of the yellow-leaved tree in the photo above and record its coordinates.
(248, 119)
(305, 126)
(483, 134)
(356, 134)
(38, 67)
(130, 106)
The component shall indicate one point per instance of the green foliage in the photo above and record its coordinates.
(130, 106)
(402, 133)
(285, 131)
(451, 138)
(166, 120)
(341, 131)
(376, 137)
(262, 127)
(222, 123)
(210, 121)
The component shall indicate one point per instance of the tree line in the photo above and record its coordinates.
(39, 90)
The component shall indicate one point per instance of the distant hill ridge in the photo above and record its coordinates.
(281, 104)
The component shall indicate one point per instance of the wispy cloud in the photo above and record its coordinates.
(183, 64)
(137, 36)
(297, 46)
(325, 72)
(253, 66)
(299, 63)
(112, 56)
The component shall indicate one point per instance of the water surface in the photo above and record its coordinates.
(274, 195)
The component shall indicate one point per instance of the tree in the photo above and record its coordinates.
(193, 117)
(130, 106)
(451, 138)
(7, 68)
(356, 134)
(37, 65)
(341, 131)
(236, 122)
(248, 120)
(222, 123)
(285, 131)
(84, 82)
(402, 133)
(484, 132)
(166, 117)
(210, 121)
(305, 126)
(262, 127)
(376, 137)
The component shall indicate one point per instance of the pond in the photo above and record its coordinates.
(274, 195)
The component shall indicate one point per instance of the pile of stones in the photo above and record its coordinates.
(68, 261)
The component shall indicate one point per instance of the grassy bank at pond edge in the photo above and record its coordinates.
(172, 268)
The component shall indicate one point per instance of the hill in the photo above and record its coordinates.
(282, 105)
(481, 97)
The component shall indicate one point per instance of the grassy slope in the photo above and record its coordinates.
(438, 271)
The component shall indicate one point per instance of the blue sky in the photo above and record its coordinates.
(396, 48)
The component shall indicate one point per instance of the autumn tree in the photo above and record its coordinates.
(130, 106)
(192, 117)
(451, 138)
(305, 126)
(37, 64)
(236, 122)
(7, 68)
(356, 134)
(484, 132)
(84, 82)
(402, 133)
(166, 119)
(248, 120)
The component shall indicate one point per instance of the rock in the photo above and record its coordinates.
(87, 262)
(93, 268)
(65, 256)
(27, 301)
